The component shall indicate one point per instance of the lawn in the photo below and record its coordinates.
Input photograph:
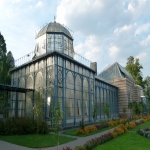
(128, 141)
(34, 141)
(73, 132)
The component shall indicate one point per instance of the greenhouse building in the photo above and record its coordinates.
(60, 74)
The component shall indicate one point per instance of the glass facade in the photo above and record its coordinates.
(106, 93)
(64, 80)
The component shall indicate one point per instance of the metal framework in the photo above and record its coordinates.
(61, 75)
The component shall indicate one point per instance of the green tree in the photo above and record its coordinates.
(6, 62)
(57, 118)
(3, 49)
(106, 110)
(147, 87)
(38, 110)
(134, 67)
(94, 111)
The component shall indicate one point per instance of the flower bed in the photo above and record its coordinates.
(122, 128)
(86, 130)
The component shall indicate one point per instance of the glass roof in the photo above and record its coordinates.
(54, 27)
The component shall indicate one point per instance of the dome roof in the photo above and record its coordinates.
(54, 27)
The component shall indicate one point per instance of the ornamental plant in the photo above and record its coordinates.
(86, 130)
(38, 110)
(94, 111)
(57, 117)
(106, 110)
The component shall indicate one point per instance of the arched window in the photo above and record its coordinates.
(21, 99)
(38, 81)
(86, 97)
(70, 94)
(78, 95)
(29, 96)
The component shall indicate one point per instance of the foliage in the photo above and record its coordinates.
(100, 126)
(147, 87)
(144, 132)
(6, 62)
(134, 67)
(20, 126)
(81, 124)
(94, 110)
(97, 141)
(57, 117)
(38, 110)
(67, 148)
(86, 130)
(127, 141)
(3, 49)
(106, 110)
(124, 110)
(136, 108)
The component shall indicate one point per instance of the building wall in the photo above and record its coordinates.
(106, 93)
(60, 78)
(127, 92)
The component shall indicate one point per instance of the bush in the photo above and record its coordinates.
(100, 126)
(67, 148)
(20, 126)
(144, 132)
(86, 130)
(97, 141)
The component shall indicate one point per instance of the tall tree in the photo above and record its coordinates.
(3, 49)
(6, 62)
(147, 86)
(134, 67)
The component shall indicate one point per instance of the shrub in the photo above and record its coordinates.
(79, 148)
(86, 130)
(100, 126)
(122, 121)
(67, 148)
(97, 141)
(22, 126)
(144, 132)
(112, 123)
(131, 125)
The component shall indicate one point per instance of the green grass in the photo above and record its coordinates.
(34, 141)
(128, 141)
(73, 132)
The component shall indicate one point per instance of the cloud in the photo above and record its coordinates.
(146, 41)
(113, 52)
(142, 56)
(111, 31)
(39, 4)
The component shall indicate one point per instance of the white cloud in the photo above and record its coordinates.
(146, 41)
(142, 56)
(39, 4)
(113, 52)
(142, 28)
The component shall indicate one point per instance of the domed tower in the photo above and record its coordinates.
(54, 37)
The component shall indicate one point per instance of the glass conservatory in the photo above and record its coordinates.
(61, 75)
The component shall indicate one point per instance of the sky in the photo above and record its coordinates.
(105, 31)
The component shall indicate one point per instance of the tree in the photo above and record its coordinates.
(57, 117)
(6, 62)
(106, 110)
(94, 111)
(147, 87)
(3, 49)
(134, 67)
(38, 110)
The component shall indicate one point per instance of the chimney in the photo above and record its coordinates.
(93, 66)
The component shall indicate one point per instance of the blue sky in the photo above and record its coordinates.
(104, 31)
